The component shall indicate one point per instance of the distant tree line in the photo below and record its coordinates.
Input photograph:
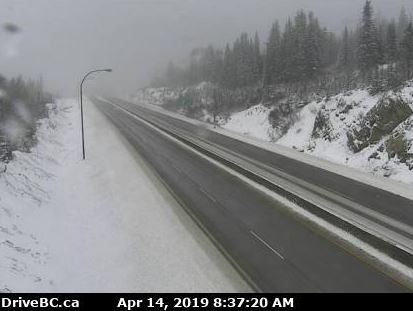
(377, 52)
(22, 104)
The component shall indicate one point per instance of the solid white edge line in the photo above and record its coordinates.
(266, 244)
(403, 272)
(389, 185)
(362, 223)
(345, 214)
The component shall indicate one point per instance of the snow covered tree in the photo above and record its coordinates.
(312, 48)
(376, 82)
(304, 57)
(368, 51)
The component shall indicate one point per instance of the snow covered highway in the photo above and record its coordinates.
(340, 238)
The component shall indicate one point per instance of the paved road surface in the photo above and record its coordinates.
(275, 251)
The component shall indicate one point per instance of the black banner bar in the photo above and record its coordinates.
(171, 301)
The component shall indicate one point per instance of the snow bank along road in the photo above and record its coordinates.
(286, 225)
(100, 225)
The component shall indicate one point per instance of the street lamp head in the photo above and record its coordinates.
(81, 102)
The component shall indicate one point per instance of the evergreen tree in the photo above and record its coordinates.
(368, 51)
(330, 48)
(403, 23)
(381, 40)
(305, 55)
(393, 78)
(273, 55)
(299, 61)
(391, 43)
(228, 69)
(287, 50)
(193, 74)
(407, 49)
(312, 48)
(211, 65)
(345, 54)
(243, 53)
(257, 58)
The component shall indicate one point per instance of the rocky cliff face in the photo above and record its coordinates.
(381, 120)
(369, 132)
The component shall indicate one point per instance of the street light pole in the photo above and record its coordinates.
(81, 104)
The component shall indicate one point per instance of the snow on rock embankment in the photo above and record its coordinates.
(253, 122)
(104, 224)
(25, 188)
(370, 133)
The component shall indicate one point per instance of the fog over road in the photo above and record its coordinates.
(61, 40)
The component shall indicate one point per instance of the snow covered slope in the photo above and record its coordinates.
(323, 128)
(339, 115)
(343, 112)
(252, 122)
(104, 224)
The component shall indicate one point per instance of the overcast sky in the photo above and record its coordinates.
(62, 39)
